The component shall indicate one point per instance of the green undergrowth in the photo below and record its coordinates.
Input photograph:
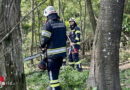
(125, 79)
(70, 79)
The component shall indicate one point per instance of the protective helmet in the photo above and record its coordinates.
(49, 10)
(72, 19)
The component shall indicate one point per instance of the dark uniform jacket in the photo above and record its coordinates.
(74, 36)
(54, 37)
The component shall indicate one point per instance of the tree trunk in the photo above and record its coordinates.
(11, 64)
(36, 41)
(84, 28)
(59, 7)
(91, 16)
(104, 71)
(80, 15)
(52, 2)
(62, 11)
(39, 23)
(33, 27)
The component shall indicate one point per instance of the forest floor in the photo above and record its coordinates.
(70, 78)
(121, 67)
(125, 66)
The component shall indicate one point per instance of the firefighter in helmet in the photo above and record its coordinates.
(54, 42)
(74, 38)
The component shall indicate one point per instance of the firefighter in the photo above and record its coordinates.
(74, 38)
(54, 39)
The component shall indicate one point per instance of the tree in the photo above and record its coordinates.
(52, 2)
(80, 14)
(84, 27)
(59, 7)
(104, 71)
(33, 27)
(39, 22)
(11, 64)
(62, 11)
(91, 15)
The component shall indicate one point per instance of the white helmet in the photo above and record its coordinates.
(72, 19)
(49, 10)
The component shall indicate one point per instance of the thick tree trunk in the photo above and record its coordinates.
(11, 64)
(91, 16)
(104, 72)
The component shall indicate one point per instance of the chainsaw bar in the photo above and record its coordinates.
(32, 57)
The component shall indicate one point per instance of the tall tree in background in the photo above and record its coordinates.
(91, 16)
(84, 27)
(59, 6)
(11, 64)
(80, 5)
(52, 2)
(39, 22)
(104, 72)
(62, 11)
(33, 27)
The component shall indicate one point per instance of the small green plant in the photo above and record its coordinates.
(124, 56)
(71, 79)
(124, 79)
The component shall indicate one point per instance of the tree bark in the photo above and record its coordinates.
(104, 71)
(11, 64)
(91, 16)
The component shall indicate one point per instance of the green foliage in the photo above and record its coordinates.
(72, 79)
(69, 78)
(96, 7)
(124, 56)
(126, 23)
(125, 79)
(37, 81)
(127, 7)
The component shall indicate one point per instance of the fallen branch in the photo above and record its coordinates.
(124, 67)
